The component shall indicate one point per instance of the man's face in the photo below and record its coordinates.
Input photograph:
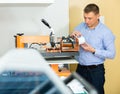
(91, 19)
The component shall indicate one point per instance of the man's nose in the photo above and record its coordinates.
(86, 20)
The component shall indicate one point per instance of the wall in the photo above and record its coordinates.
(25, 18)
(110, 11)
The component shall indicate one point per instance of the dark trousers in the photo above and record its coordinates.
(94, 75)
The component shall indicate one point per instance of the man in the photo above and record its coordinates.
(98, 46)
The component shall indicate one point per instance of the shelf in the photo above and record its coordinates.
(27, 1)
(64, 60)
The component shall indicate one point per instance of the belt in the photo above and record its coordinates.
(90, 66)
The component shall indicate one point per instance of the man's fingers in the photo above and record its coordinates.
(76, 34)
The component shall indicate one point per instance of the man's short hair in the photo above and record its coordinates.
(91, 8)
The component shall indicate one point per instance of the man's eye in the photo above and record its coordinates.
(89, 18)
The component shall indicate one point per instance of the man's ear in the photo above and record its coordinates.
(98, 16)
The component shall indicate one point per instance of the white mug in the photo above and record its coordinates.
(81, 40)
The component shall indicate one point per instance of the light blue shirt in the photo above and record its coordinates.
(102, 39)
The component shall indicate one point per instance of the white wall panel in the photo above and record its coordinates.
(25, 18)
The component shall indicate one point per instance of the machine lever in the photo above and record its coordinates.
(46, 23)
(52, 34)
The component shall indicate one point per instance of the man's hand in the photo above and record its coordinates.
(76, 34)
(88, 47)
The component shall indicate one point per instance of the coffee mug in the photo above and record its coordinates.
(81, 40)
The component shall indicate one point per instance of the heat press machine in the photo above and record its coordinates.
(65, 47)
(33, 75)
(25, 71)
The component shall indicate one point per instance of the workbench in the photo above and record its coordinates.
(53, 58)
